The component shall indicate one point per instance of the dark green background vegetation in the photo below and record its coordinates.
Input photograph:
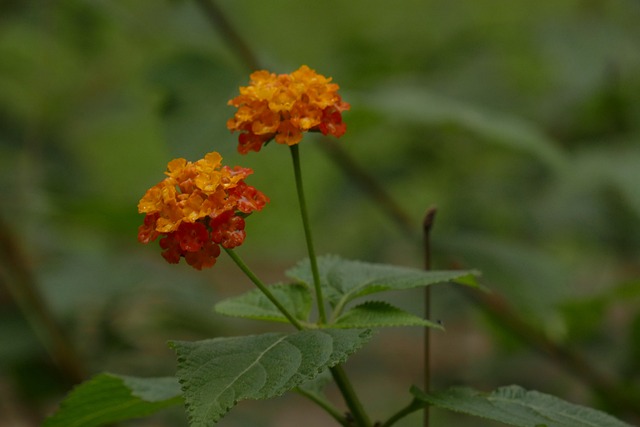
(519, 120)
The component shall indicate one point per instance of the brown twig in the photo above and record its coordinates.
(370, 186)
(16, 275)
(427, 225)
(220, 22)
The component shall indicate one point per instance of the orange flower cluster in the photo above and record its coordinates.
(197, 207)
(284, 106)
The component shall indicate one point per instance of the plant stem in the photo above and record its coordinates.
(263, 288)
(295, 155)
(328, 407)
(427, 224)
(415, 405)
(355, 407)
(370, 186)
(339, 376)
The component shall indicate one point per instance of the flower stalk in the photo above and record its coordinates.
(295, 155)
(263, 288)
(324, 404)
(339, 376)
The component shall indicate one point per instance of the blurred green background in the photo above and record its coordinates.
(519, 121)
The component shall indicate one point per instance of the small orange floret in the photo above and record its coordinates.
(283, 107)
(188, 206)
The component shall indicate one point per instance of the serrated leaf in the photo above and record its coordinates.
(314, 388)
(516, 406)
(215, 374)
(374, 314)
(343, 280)
(317, 385)
(296, 298)
(109, 398)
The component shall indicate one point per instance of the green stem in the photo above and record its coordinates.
(234, 256)
(328, 407)
(339, 376)
(415, 405)
(295, 155)
(355, 407)
(337, 310)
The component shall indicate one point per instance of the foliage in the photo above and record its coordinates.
(516, 406)
(109, 398)
(215, 374)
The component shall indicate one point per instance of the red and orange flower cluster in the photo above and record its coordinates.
(198, 207)
(201, 206)
(284, 106)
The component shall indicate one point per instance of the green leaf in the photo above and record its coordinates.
(344, 280)
(317, 385)
(373, 314)
(516, 406)
(419, 106)
(296, 298)
(600, 168)
(314, 390)
(109, 398)
(215, 374)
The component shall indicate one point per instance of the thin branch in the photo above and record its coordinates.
(427, 225)
(16, 274)
(220, 23)
(324, 404)
(370, 186)
(263, 288)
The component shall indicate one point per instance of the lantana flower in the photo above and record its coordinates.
(283, 107)
(198, 207)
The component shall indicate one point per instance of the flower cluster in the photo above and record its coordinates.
(198, 207)
(284, 106)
